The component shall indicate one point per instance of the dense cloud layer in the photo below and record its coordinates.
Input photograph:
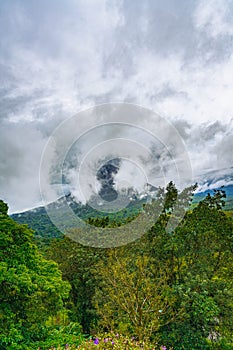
(59, 57)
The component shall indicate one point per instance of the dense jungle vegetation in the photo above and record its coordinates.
(170, 289)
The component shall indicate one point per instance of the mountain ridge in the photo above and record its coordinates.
(39, 221)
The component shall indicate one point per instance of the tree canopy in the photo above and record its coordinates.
(31, 287)
(171, 286)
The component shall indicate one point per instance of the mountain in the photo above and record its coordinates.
(105, 176)
(229, 196)
(221, 179)
(129, 199)
(39, 221)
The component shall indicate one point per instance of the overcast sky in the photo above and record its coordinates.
(58, 57)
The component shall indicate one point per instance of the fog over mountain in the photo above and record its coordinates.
(58, 58)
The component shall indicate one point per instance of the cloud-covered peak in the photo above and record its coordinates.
(60, 57)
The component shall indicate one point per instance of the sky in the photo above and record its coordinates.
(58, 57)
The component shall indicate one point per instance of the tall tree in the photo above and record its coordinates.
(31, 288)
(78, 266)
(133, 297)
(201, 252)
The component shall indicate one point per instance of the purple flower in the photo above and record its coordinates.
(113, 342)
(96, 341)
(105, 340)
(163, 347)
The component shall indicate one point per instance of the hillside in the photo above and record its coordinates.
(39, 221)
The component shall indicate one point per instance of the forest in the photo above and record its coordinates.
(169, 289)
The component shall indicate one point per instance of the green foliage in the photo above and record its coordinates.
(39, 221)
(133, 298)
(31, 288)
(77, 264)
(3, 208)
(173, 286)
(198, 320)
(170, 197)
(45, 230)
(200, 256)
(60, 336)
(194, 261)
(110, 221)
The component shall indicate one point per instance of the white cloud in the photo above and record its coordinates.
(213, 17)
(60, 57)
(21, 147)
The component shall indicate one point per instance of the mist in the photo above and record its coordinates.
(60, 58)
